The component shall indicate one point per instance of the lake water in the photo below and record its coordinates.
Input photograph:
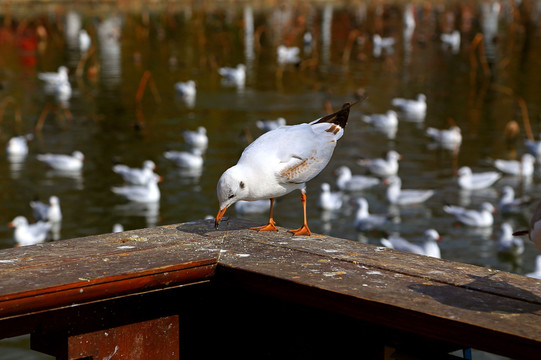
(480, 85)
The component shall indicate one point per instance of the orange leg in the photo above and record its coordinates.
(303, 230)
(270, 226)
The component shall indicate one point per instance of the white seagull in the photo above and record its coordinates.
(47, 211)
(478, 218)
(382, 121)
(29, 234)
(536, 274)
(62, 162)
(280, 161)
(474, 181)
(428, 248)
(198, 138)
(84, 40)
(268, 125)
(136, 176)
(414, 109)
(382, 43)
(288, 54)
(346, 181)
(187, 88)
(365, 221)
(507, 243)
(534, 230)
(186, 159)
(382, 167)
(446, 138)
(397, 195)
(329, 200)
(17, 146)
(54, 78)
(452, 40)
(234, 76)
(523, 167)
(148, 193)
(508, 204)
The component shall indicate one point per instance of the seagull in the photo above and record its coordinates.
(186, 159)
(452, 40)
(84, 40)
(534, 230)
(382, 121)
(235, 76)
(136, 176)
(347, 182)
(509, 204)
(268, 125)
(280, 161)
(507, 243)
(252, 207)
(47, 211)
(475, 181)
(415, 109)
(382, 43)
(288, 55)
(18, 146)
(186, 88)
(54, 78)
(522, 167)
(196, 138)
(470, 217)
(365, 221)
(536, 274)
(148, 193)
(446, 138)
(29, 234)
(382, 167)
(118, 228)
(399, 196)
(329, 200)
(62, 162)
(428, 248)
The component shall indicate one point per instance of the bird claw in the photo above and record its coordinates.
(303, 230)
(269, 227)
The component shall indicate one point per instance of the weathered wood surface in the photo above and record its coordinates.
(458, 303)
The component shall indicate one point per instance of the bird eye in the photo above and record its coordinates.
(241, 185)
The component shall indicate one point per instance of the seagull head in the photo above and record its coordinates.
(231, 188)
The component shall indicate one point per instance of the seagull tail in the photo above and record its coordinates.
(340, 117)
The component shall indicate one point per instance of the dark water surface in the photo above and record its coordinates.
(191, 40)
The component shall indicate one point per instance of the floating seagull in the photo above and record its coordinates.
(446, 138)
(136, 176)
(280, 161)
(150, 192)
(55, 78)
(399, 196)
(288, 55)
(345, 181)
(187, 88)
(197, 138)
(428, 248)
(507, 243)
(523, 167)
(329, 200)
(382, 121)
(452, 40)
(382, 43)
(186, 159)
(29, 234)
(268, 125)
(47, 211)
(18, 146)
(365, 221)
(536, 274)
(508, 204)
(252, 207)
(470, 217)
(475, 181)
(234, 76)
(382, 167)
(413, 109)
(84, 40)
(534, 230)
(118, 228)
(63, 162)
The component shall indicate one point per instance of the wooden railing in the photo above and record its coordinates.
(189, 290)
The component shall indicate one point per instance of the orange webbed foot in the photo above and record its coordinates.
(269, 227)
(303, 230)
